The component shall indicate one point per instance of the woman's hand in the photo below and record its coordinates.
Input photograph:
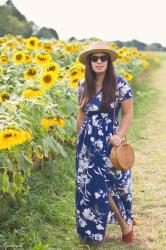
(116, 140)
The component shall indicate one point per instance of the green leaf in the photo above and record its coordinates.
(26, 158)
(4, 181)
(5, 160)
(56, 146)
(19, 179)
(45, 145)
(22, 160)
(13, 188)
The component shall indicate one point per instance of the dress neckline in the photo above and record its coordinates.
(98, 91)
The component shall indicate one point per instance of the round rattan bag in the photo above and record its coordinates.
(122, 157)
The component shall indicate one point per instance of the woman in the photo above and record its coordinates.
(103, 194)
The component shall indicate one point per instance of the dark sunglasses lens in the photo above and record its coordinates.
(94, 58)
(103, 58)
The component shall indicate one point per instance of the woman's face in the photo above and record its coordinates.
(99, 62)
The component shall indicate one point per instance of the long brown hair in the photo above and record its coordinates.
(108, 86)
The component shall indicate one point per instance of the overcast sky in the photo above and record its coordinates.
(109, 20)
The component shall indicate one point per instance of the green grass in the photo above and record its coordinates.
(46, 220)
(145, 96)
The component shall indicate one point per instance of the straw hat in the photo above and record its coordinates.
(97, 46)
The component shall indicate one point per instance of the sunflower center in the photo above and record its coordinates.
(32, 43)
(52, 68)
(47, 46)
(74, 73)
(47, 79)
(8, 135)
(32, 72)
(41, 58)
(5, 97)
(4, 58)
(19, 57)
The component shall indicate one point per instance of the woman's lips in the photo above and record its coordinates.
(99, 67)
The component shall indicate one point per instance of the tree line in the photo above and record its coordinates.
(12, 22)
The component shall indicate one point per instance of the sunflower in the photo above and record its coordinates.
(113, 45)
(2, 40)
(48, 122)
(32, 43)
(30, 74)
(28, 58)
(125, 59)
(134, 51)
(128, 76)
(10, 137)
(25, 136)
(68, 48)
(47, 80)
(73, 47)
(122, 50)
(59, 122)
(74, 82)
(145, 64)
(20, 39)
(76, 71)
(53, 68)
(61, 75)
(4, 59)
(43, 59)
(12, 45)
(32, 93)
(4, 96)
(47, 47)
(19, 57)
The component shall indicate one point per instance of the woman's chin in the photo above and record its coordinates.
(99, 71)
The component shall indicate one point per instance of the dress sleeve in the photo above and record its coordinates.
(125, 90)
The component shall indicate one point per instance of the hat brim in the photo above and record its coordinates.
(83, 56)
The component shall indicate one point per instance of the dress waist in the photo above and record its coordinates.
(108, 114)
(93, 113)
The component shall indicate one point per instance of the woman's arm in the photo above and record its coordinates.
(127, 115)
(80, 119)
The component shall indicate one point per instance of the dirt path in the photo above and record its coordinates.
(150, 174)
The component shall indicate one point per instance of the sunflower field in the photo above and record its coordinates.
(38, 102)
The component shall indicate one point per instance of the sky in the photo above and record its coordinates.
(108, 20)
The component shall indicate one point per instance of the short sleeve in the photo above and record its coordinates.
(125, 90)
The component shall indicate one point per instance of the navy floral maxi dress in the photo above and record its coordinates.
(96, 177)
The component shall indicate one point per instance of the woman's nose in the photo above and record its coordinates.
(99, 60)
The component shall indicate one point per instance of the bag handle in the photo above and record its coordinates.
(114, 120)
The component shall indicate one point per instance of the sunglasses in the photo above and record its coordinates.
(103, 58)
